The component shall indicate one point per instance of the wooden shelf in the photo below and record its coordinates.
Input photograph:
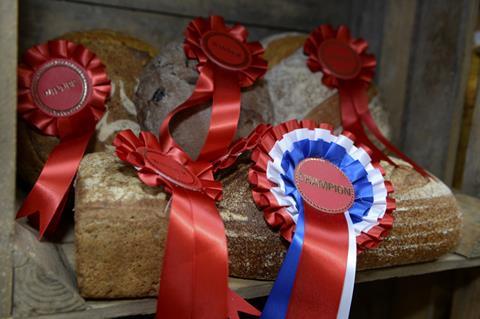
(256, 288)
(47, 264)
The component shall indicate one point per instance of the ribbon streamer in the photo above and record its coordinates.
(194, 279)
(347, 67)
(220, 80)
(317, 276)
(62, 92)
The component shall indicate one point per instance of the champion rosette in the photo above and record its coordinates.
(325, 195)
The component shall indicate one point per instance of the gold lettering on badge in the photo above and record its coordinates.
(226, 49)
(60, 88)
(339, 189)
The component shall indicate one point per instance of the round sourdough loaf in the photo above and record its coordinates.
(427, 225)
(124, 57)
(169, 80)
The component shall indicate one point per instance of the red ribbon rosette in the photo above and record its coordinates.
(328, 198)
(227, 63)
(348, 67)
(194, 280)
(62, 89)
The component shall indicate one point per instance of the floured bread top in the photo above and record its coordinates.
(296, 92)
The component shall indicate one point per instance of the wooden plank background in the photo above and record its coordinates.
(8, 98)
(471, 168)
(439, 64)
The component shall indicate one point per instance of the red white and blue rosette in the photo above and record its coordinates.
(325, 195)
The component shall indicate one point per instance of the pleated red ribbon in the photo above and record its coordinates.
(62, 89)
(194, 279)
(226, 63)
(347, 67)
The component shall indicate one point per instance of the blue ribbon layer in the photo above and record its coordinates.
(278, 301)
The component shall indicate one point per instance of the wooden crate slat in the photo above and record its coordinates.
(471, 172)
(40, 21)
(438, 73)
(470, 243)
(465, 297)
(8, 103)
(278, 14)
(392, 77)
(44, 280)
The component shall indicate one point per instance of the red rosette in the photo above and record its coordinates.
(226, 63)
(276, 214)
(348, 67)
(62, 89)
(339, 56)
(214, 45)
(168, 169)
(195, 263)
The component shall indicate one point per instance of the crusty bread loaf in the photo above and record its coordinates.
(124, 58)
(121, 225)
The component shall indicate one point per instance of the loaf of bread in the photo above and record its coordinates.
(121, 226)
(124, 58)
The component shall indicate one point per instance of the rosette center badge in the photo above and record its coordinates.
(226, 51)
(324, 186)
(339, 58)
(61, 87)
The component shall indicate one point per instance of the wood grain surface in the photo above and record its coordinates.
(439, 63)
(8, 98)
(471, 167)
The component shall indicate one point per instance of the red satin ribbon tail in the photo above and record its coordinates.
(48, 196)
(360, 101)
(351, 96)
(372, 126)
(175, 297)
(225, 115)
(318, 286)
(194, 276)
(237, 303)
(165, 137)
